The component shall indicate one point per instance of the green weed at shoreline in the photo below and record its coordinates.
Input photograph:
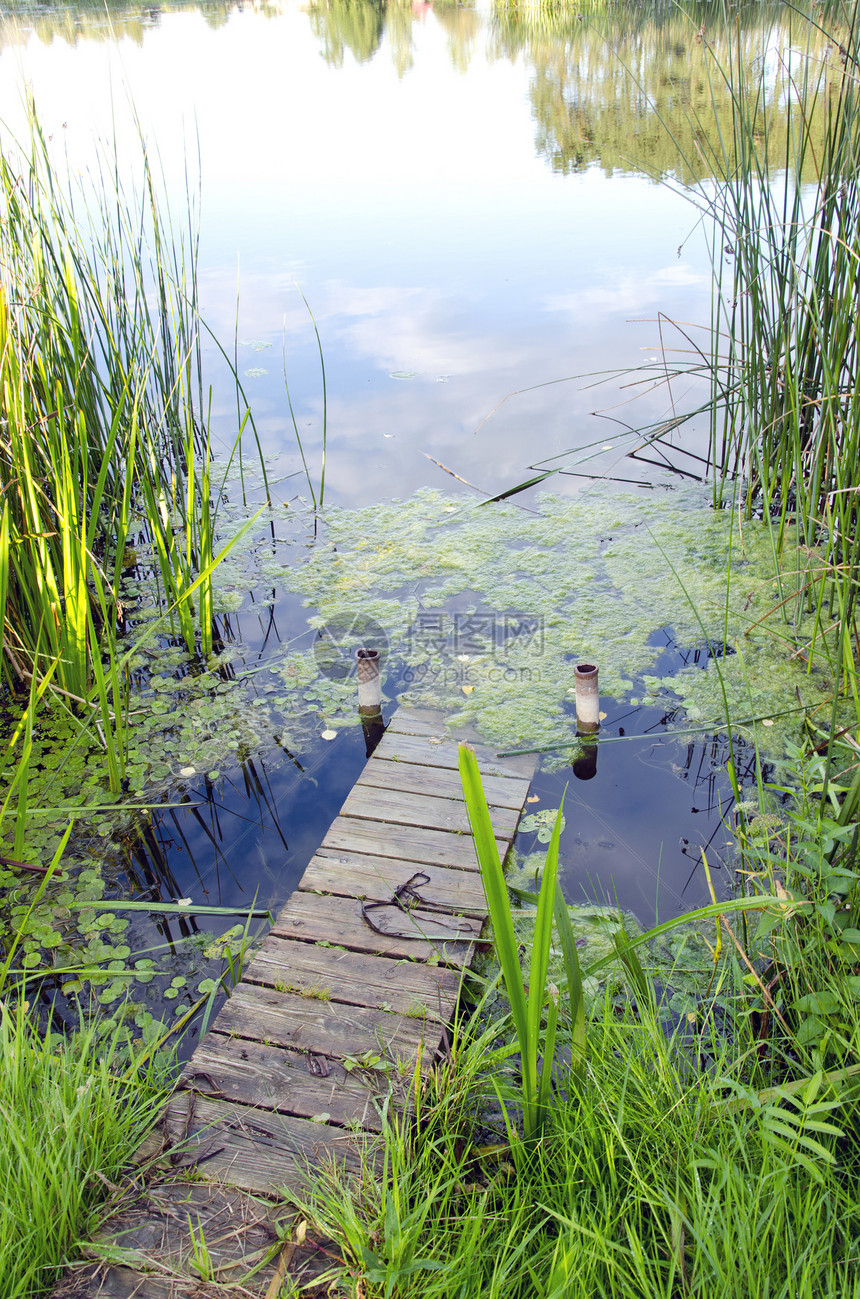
(73, 1113)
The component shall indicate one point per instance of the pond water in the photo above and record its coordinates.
(485, 215)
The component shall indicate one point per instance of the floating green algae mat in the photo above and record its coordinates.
(488, 608)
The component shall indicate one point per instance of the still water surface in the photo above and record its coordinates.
(405, 166)
(477, 205)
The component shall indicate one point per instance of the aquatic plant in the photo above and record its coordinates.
(104, 454)
(536, 1042)
(317, 493)
(583, 576)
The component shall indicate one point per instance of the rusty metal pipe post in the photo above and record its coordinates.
(587, 698)
(369, 682)
(369, 697)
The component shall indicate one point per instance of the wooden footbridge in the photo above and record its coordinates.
(349, 994)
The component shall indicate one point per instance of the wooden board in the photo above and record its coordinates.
(271, 1077)
(414, 778)
(406, 722)
(356, 978)
(432, 751)
(434, 813)
(433, 847)
(240, 1230)
(99, 1282)
(339, 921)
(325, 1027)
(361, 875)
(254, 1149)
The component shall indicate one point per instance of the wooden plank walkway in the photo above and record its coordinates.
(331, 1017)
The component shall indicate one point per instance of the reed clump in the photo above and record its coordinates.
(103, 448)
(73, 1113)
(785, 424)
(105, 457)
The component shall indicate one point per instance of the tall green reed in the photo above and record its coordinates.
(536, 1040)
(785, 228)
(535, 1007)
(103, 448)
(105, 455)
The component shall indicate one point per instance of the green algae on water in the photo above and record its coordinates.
(594, 577)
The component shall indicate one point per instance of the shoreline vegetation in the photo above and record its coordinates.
(581, 1138)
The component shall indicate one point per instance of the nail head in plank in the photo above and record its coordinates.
(433, 751)
(407, 721)
(362, 875)
(433, 847)
(316, 918)
(432, 716)
(98, 1282)
(239, 1229)
(433, 726)
(426, 809)
(256, 1150)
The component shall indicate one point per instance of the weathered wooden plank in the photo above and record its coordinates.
(361, 875)
(433, 847)
(241, 1232)
(432, 716)
(254, 1149)
(355, 978)
(413, 778)
(273, 1078)
(433, 751)
(99, 1282)
(425, 722)
(338, 921)
(324, 1027)
(426, 809)
(405, 722)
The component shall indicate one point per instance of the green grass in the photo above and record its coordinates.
(645, 1181)
(72, 1114)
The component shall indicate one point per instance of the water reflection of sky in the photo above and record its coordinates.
(428, 236)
